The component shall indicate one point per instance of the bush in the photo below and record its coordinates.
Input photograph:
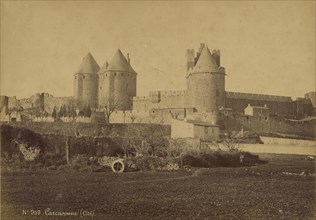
(149, 163)
(220, 159)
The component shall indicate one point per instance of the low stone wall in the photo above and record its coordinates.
(287, 141)
(279, 149)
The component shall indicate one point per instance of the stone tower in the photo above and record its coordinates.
(206, 81)
(117, 83)
(86, 82)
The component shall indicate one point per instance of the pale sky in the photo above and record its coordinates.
(266, 47)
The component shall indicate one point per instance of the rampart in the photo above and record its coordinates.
(41, 101)
(271, 126)
(261, 97)
(278, 105)
(160, 100)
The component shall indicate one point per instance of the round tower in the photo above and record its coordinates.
(206, 82)
(117, 83)
(86, 82)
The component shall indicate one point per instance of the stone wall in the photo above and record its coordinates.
(86, 89)
(278, 105)
(206, 91)
(117, 87)
(273, 125)
(160, 100)
(50, 102)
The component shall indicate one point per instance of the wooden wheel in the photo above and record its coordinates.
(118, 166)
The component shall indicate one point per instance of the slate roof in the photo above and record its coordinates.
(119, 63)
(206, 60)
(88, 65)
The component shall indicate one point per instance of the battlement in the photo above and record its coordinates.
(169, 93)
(262, 97)
(140, 98)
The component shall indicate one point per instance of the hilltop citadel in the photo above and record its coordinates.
(205, 98)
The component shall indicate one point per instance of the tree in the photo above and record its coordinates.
(133, 117)
(72, 112)
(62, 111)
(111, 106)
(144, 140)
(88, 111)
(154, 136)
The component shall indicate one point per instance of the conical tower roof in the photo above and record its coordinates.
(88, 65)
(206, 60)
(119, 63)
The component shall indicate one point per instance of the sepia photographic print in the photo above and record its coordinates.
(158, 110)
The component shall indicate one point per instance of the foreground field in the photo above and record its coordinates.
(284, 188)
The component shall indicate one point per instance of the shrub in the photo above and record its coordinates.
(220, 159)
(149, 163)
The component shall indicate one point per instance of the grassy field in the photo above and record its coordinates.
(276, 190)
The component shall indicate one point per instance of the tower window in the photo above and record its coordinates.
(83, 77)
(114, 74)
(121, 74)
(100, 87)
(106, 75)
(217, 92)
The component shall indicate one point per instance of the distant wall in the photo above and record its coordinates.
(50, 102)
(279, 105)
(273, 125)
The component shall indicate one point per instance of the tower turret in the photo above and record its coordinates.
(117, 83)
(206, 82)
(86, 82)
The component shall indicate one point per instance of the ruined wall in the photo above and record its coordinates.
(35, 101)
(50, 102)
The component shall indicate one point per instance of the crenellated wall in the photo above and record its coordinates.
(161, 100)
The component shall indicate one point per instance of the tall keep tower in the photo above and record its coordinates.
(86, 82)
(205, 80)
(117, 83)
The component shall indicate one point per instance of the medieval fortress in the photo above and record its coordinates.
(113, 86)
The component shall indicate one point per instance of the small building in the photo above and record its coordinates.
(259, 112)
(194, 129)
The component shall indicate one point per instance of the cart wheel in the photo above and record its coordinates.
(118, 166)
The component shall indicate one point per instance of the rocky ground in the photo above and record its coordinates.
(284, 188)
